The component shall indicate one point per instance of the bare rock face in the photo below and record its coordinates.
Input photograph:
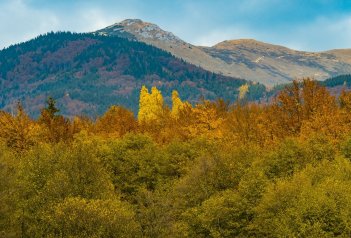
(246, 58)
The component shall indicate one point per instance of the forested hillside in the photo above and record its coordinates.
(87, 74)
(341, 80)
(205, 170)
(335, 85)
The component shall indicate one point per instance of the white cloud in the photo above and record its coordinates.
(20, 23)
(321, 34)
(94, 19)
(193, 21)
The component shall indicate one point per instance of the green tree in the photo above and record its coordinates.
(79, 217)
(314, 203)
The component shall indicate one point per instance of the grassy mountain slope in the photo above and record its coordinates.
(246, 58)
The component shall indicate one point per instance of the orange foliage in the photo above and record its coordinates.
(300, 110)
(116, 122)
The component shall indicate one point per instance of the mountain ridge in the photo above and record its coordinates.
(243, 58)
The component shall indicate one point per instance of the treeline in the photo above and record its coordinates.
(337, 81)
(343, 80)
(210, 170)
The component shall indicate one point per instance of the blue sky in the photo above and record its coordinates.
(312, 25)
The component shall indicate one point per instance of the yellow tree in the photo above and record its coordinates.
(144, 101)
(243, 90)
(156, 103)
(177, 104)
(150, 105)
(208, 119)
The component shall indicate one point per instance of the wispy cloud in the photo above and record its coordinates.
(20, 23)
(305, 25)
(336, 33)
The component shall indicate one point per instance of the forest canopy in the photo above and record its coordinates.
(212, 169)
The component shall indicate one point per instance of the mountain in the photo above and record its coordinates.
(135, 29)
(87, 73)
(246, 58)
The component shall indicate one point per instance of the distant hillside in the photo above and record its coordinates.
(334, 85)
(253, 60)
(87, 73)
(341, 80)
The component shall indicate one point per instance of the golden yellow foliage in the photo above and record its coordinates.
(243, 90)
(150, 105)
(177, 104)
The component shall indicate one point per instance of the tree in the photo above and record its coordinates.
(314, 203)
(177, 104)
(345, 100)
(224, 214)
(19, 132)
(117, 122)
(151, 105)
(288, 108)
(301, 102)
(79, 217)
(51, 108)
(56, 127)
(48, 174)
(243, 90)
(144, 101)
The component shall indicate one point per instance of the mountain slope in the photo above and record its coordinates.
(280, 62)
(135, 29)
(249, 59)
(87, 73)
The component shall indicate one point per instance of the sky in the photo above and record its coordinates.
(310, 25)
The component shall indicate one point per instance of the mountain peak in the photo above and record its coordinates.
(128, 22)
(140, 30)
(250, 43)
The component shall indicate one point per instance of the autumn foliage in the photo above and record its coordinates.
(212, 169)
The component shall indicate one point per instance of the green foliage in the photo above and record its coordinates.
(346, 148)
(341, 80)
(222, 215)
(88, 73)
(79, 217)
(314, 203)
(212, 170)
